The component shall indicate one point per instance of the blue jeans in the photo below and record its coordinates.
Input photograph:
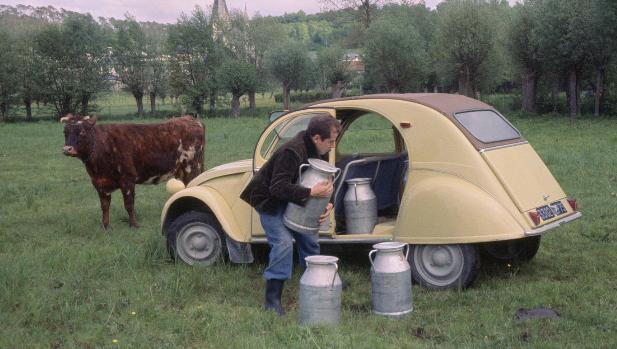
(279, 237)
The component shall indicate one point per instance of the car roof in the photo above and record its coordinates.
(443, 102)
(446, 104)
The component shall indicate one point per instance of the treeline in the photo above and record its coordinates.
(550, 55)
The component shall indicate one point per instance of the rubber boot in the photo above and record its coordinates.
(274, 291)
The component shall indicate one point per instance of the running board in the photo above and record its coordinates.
(341, 239)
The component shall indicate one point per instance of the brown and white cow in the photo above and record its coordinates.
(118, 156)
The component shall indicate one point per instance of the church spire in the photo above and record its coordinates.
(219, 11)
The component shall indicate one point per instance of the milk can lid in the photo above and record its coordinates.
(322, 165)
(321, 259)
(389, 246)
(358, 181)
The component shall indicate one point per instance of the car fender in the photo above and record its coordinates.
(212, 201)
(445, 209)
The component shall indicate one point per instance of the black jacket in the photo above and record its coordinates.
(274, 184)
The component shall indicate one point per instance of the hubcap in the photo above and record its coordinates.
(439, 265)
(198, 243)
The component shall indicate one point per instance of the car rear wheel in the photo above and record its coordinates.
(512, 251)
(442, 267)
(196, 238)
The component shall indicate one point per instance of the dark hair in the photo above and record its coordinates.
(322, 125)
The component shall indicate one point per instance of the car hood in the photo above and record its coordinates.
(235, 167)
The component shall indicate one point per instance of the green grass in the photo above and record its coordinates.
(66, 283)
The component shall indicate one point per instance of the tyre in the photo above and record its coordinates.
(512, 251)
(443, 267)
(196, 238)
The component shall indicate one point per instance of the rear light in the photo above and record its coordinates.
(535, 217)
(572, 203)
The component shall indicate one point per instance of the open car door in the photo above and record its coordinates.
(276, 134)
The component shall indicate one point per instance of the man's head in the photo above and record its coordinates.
(77, 135)
(323, 130)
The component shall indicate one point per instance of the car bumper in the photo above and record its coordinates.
(553, 225)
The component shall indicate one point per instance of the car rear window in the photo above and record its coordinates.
(487, 126)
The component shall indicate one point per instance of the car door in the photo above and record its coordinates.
(276, 134)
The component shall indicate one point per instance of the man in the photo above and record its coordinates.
(274, 186)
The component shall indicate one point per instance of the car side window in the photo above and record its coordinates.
(369, 134)
(284, 132)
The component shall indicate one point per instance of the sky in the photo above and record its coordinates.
(166, 11)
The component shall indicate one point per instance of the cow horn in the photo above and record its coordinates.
(65, 119)
(86, 117)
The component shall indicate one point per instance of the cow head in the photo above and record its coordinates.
(78, 138)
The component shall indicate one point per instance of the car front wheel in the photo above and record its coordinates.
(196, 238)
(442, 267)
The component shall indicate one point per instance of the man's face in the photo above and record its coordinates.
(325, 145)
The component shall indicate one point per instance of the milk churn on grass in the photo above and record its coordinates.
(360, 206)
(305, 219)
(320, 292)
(390, 279)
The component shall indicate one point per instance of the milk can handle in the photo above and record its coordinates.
(300, 172)
(337, 175)
(370, 256)
(407, 252)
(335, 272)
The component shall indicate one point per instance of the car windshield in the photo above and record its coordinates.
(487, 126)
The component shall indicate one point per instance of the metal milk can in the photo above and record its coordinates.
(305, 219)
(390, 279)
(320, 291)
(360, 206)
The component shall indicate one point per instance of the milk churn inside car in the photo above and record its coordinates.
(451, 176)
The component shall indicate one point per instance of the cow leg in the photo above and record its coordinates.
(128, 193)
(105, 201)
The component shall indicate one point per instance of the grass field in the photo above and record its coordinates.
(66, 283)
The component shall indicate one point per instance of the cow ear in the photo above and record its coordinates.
(90, 120)
(66, 119)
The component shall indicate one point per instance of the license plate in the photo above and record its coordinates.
(558, 208)
(545, 212)
(549, 211)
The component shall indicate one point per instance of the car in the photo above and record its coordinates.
(453, 179)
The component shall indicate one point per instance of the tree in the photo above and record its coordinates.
(74, 63)
(525, 49)
(564, 43)
(334, 69)
(131, 58)
(395, 55)
(289, 64)
(603, 43)
(364, 10)
(194, 59)
(465, 39)
(8, 76)
(237, 77)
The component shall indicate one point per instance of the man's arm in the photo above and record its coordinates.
(283, 172)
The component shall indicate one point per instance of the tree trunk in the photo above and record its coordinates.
(599, 91)
(212, 102)
(286, 91)
(464, 83)
(573, 103)
(235, 105)
(4, 107)
(152, 103)
(139, 100)
(198, 106)
(28, 105)
(529, 91)
(338, 89)
(252, 103)
(85, 100)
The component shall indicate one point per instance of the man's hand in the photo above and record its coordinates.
(322, 189)
(326, 213)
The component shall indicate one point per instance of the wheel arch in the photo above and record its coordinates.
(204, 199)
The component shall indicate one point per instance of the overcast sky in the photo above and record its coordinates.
(167, 11)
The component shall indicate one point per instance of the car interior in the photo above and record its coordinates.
(369, 146)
